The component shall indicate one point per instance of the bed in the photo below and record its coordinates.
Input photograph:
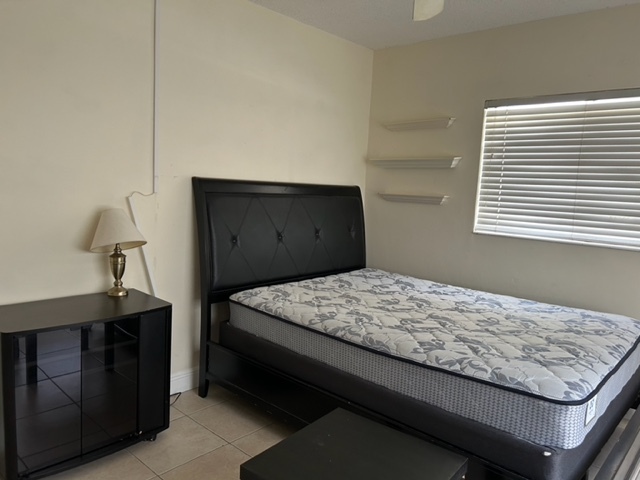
(289, 260)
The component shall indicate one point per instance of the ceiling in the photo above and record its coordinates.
(379, 24)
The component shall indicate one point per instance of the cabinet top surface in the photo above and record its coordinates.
(78, 309)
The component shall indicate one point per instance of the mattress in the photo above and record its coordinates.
(542, 372)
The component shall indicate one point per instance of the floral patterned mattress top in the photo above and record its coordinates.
(558, 353)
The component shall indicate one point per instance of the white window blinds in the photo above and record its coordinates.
(564, 169)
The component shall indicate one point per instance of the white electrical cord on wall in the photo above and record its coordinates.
(145, 254)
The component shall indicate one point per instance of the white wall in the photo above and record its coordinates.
(75, 137)
(242, 92)
(454, 76)
(246, 93)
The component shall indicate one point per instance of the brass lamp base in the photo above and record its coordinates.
(117, 261)
(118, 291)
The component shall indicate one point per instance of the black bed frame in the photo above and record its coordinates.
(256, 233)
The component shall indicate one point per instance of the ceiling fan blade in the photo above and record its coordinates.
(426, 9)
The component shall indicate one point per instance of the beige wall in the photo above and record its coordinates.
(241, 93)
(246, 93)
(75, 137)
(454, 76)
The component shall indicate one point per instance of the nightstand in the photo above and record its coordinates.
(82, 377)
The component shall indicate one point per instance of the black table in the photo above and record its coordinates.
(82, 377)
(346, 446)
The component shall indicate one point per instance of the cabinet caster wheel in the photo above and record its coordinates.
(152, 438)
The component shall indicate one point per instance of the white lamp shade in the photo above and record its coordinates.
(426, 9)
(115, 227)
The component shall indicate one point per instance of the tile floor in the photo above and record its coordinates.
(208, 439)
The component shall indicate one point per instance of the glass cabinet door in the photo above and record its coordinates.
(48, 413)
(109, 382)
(76, 391)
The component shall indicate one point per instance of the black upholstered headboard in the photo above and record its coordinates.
(256, 233)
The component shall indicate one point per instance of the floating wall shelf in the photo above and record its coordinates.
(427, 199)
(424, 162)
(425, 124)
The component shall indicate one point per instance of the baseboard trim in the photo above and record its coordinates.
(183, 381)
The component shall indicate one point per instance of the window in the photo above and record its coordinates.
(563, 168)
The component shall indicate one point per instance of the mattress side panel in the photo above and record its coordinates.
(531, 418)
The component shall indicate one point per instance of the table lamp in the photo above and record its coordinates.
(116, 232)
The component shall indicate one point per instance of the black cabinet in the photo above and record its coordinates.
(81, 377)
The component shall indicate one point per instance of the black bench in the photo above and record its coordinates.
(346, 446)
